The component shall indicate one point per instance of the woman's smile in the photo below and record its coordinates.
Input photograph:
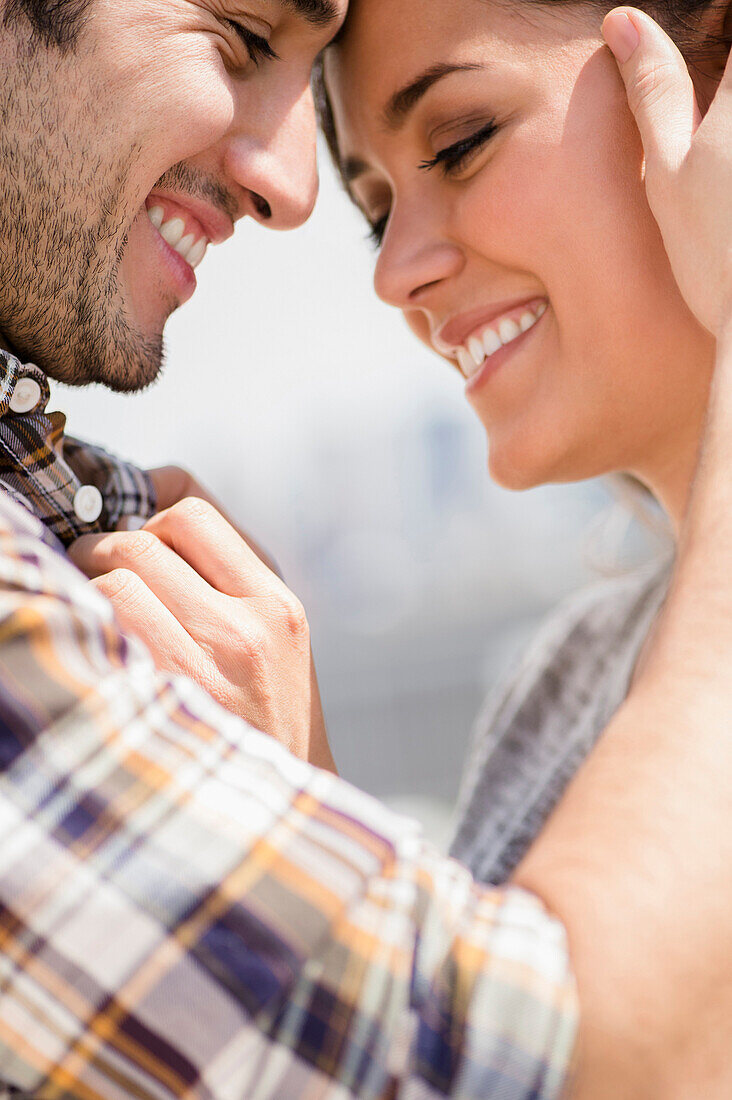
(471, 340)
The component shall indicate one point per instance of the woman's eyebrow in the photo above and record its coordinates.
(408, 96)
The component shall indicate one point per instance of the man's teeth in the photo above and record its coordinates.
(472, 357)
(174, 232)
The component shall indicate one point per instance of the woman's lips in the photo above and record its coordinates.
(456, 332)
(492, 362)
(487, 339)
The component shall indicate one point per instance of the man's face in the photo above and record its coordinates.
(125, 156)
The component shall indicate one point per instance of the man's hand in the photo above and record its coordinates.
(688, 171)
(207, 607)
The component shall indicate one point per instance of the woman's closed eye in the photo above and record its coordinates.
(377, 230)
(453, 158)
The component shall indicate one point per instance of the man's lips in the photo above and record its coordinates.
(213, 224)
(456, 332)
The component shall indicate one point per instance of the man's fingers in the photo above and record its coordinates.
(199, 534)
(659, 88)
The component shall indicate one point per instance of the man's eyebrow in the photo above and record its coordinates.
(404, 100)
(320, 13)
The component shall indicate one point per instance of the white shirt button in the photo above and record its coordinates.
(26, 395)
(88, 504)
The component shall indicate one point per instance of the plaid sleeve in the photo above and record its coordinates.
(187, 910)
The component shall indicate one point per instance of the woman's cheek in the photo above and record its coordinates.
(419, 325)
(513, 208)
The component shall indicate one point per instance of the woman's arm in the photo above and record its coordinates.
(665, 948)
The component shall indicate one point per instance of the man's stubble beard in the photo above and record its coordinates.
(63, 232)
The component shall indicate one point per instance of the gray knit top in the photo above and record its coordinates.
(537, 729)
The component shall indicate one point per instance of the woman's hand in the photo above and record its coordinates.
(173, 484)
(688, 161)
(195, 592)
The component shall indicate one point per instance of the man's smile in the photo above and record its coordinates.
(185, 227)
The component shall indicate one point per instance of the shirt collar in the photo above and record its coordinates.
(14, 387)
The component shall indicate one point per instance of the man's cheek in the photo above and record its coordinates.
(184, 111)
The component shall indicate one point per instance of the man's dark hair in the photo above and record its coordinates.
(51, 22)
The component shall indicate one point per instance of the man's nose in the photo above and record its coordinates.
(273, 159)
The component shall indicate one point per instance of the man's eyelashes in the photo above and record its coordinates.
(258, 48)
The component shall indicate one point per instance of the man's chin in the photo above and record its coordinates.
(133, 368)
(122, 361)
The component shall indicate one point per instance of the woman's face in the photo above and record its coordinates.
(493, 150)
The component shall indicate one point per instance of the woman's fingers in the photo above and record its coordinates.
(202, 537)
(172, 485)
(659, 88)
(141, 613)
(185, 594)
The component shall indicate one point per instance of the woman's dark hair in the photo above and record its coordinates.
(682, 19)
(51, 22)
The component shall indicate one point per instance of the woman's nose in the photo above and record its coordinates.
(275, 164)
(413, 260)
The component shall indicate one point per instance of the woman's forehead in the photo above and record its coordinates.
(389, 45)
(384, 38)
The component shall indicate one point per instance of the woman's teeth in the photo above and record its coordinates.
(503, 332)
(173, 231)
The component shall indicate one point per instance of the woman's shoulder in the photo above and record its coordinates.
(606, 608)
(602, 624)
(544, 717)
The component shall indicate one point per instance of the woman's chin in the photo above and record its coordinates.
(517, 470)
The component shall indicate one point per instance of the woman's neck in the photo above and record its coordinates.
(669, 475)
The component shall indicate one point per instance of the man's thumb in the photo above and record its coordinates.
(658, 85)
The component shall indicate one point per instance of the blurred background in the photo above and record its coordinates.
(350, 453)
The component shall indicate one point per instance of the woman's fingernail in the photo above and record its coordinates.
(621, 35)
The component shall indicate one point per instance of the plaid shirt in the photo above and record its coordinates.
(188, 910)
(43, 469)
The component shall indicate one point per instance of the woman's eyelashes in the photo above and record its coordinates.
(457, 156)
(451, 159)
(377, 230)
